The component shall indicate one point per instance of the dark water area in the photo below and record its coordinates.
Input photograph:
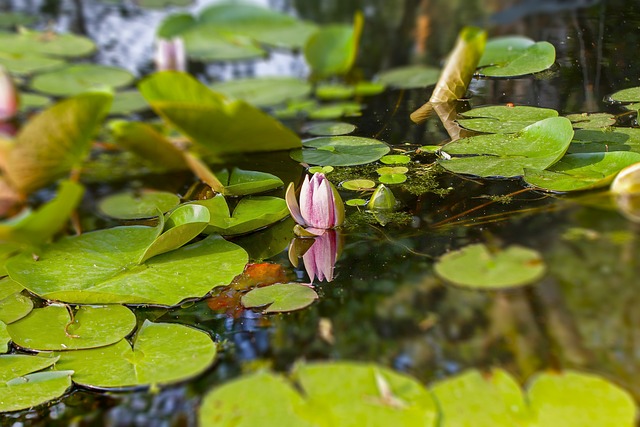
(385, 304)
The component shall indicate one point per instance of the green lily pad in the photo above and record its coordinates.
(537, 146)
(12, 20)
(209, 119)
(210, 43)
(138, 205)
(357, 394)
(392, 178)
(410, 77)
(52, 143)
(334, 110)
(628, 95)
(181, 226)
(5, 338)
(591, 120)
(395, 159)
(52, 328)
(277, 401)
(386, 170)
(321, 169)
(504, 119)
(32, 101)
(334, 91)
(358, 184)
(340, 151)
(281, 297)
(369, 88)
(161, 4)
(581, 171)
(46, 43)
(264, 91)
(242, 182)
(162, 353)
(175, 24)
(66, 272)
(75, 79)
(605, 140)
(475, 266)
(250, 214)
(13, 305)
(332, 49)
(330, 128)
(27, 63)
(128, 102)
(356, 202)
(515, 56)
(269, 242)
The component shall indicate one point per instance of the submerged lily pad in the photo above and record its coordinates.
(66, 272)
(162, 353)
(503, 119)
(75, 79)
(138, 205)
(515, 56)
(537, 146)
(581, 171)
(46, 43)
(250, 214)
(340, 151)
(280, 297)
(264, 91)
(410, 77)
(475, 266)
(52, 328)
(27, 63)
(21, 387)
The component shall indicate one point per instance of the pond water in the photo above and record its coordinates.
(385, 303)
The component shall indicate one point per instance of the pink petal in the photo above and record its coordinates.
(321, 215)
(8, 96)
(292, 204)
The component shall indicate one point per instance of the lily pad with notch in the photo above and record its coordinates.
(22, 387)
(53, 328)
(503, 119)
(340, 151)
(162, 353)
(143, 204)
(514, 56)
(280, 297)
(582, 171)
(476, 266)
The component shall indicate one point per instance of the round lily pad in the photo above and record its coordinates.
(52, 328)
(515, 56)
(143, 204)
(356, 202)
(330, 128)
(46, 43)
(28, 63)
(264, 91)
(321, 169)
(386, 170)
(503, 119)
(340, 151)
(334, 91)
(280, 297)
(410, 77)
(79, 78)
(32, 101)
(475, 266)
(358, 184)
(335, 110)
(162, 353)
(631, 94)
(392, 178)
(395, 159)
(369, 88)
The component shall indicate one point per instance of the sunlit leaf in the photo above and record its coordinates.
(242, 182)
(605, 140)
(476, 266)
(392, 178)
(334, 91)
(264, 91)
(137, 205)
(52, 328)
(395, 159)
(52, 143)
(628, 95)
(581, 171)
(358, 184)
(162, 353)
(516, 56)
(212, 121)
(280, 297)
(591, 120)
(13, 304)
(410, 76)
(78, 78)
(503, 119)
(340, 151)
(46, 43)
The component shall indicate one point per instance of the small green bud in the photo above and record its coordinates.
(382, 199)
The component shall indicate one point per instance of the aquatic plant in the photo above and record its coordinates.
(321, 206)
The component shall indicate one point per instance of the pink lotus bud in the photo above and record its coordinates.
(320, 208)
(170, 55)
(9, 98)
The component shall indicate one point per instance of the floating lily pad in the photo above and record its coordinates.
(162, 353)
(46, 43)
(128, 102)
(250, 214)
(369, 88)
(334, 110)
(210, 43)
(581, 171)
(410, 77)
(332, 49)
(5, 338)
(537, 146)
(321, 169)
(27, 63)
(356, 202)
(161, 4)
(52, 328)
(269, 242)
(395, 159)
(591, 120)
(66, 272)
(209, 119)
(12, 20)
(138, 205)
(330, 128)
(242, 182)
(631, 94)
(334, 91)
(392, 178)
(281, 297)
(75, 79)
(385, 170)
(515, 56)
(32, 101)
(21, 387)
(503, 119)
(605, 140)
(340, 151)
(264, 91)
(475, 266)
(13, 305)
(358, 184)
